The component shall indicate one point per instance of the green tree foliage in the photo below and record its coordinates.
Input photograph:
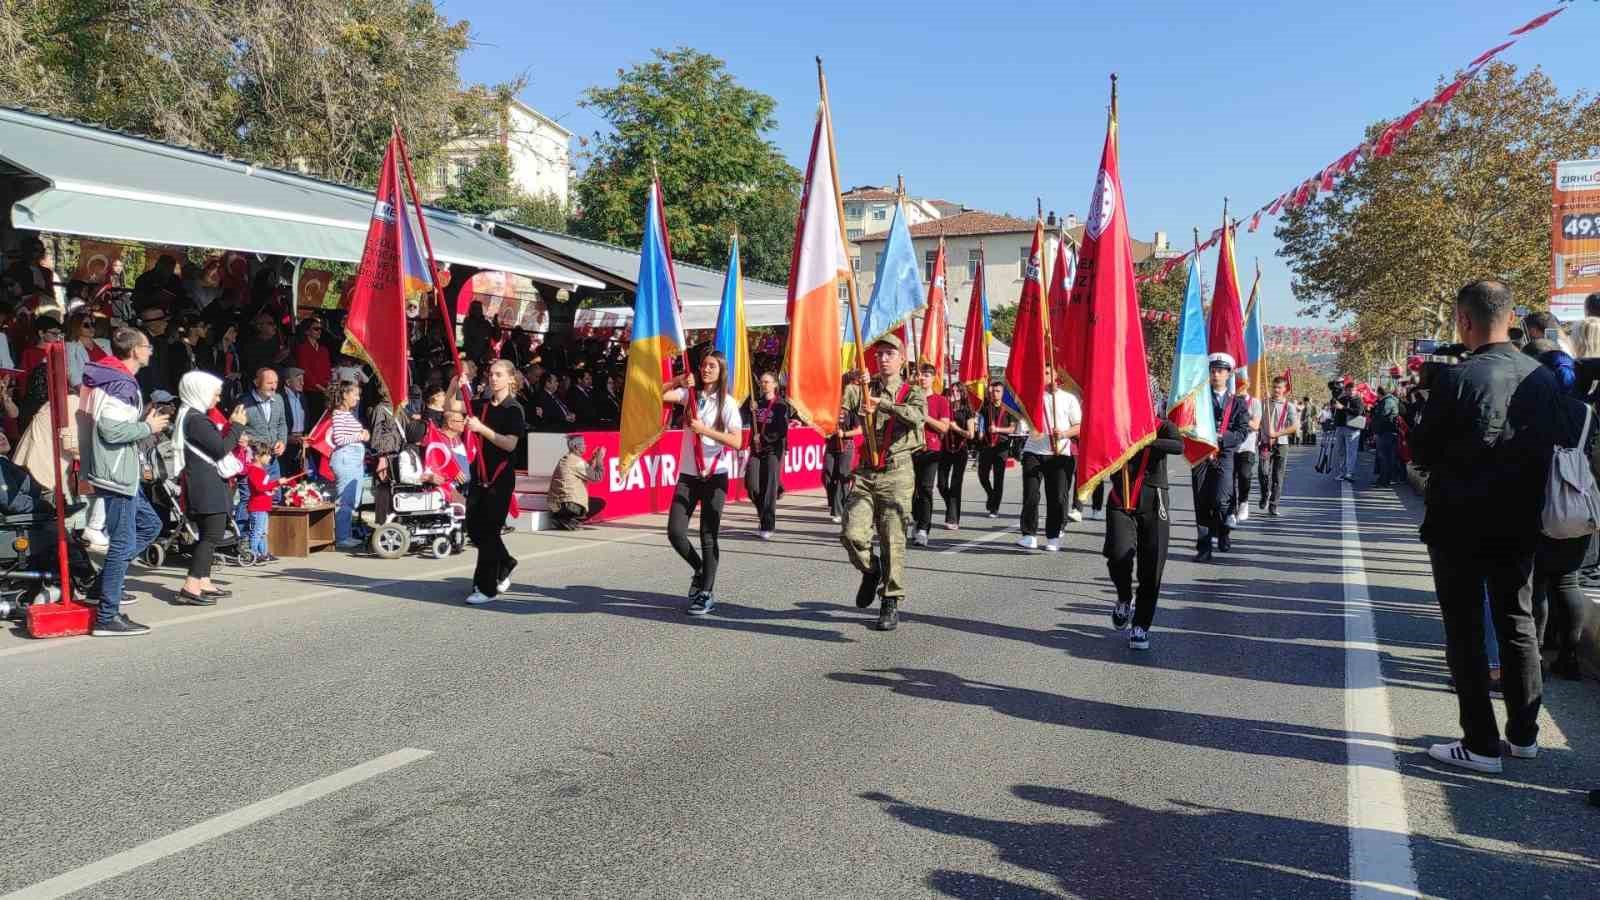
(707, 136)
(487, 190)
(1465, 196)
(1003, 322)
(1161, 338)
(284, 83)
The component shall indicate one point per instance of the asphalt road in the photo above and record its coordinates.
(584, 738)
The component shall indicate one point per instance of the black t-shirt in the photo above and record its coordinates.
(504, 419)
(769, 425)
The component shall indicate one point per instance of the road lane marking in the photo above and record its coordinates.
(426, 574)
(1380, 830)
(980, 541)
(162, 847)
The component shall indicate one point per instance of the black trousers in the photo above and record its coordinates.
(568, 516)
(1274, 468)
(1139, 537)
(1211, 504)
(486, 518)
(709, 494)
(925, 470)
(836, 468)
(952, 472)
(992, 476)
(210, 526)
(761, 483)
(1097, 500)
(1244, 472)
(1052, 474)
(1461, 575)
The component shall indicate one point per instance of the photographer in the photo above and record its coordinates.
(1349, 419)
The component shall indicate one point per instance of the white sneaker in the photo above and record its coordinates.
(994, 515)
(1028, 542)
(478, 598)
(835, 519)
(1244, 513)
(1529, 752)
(1456, 755)
(1053, 545)
(1233, 521)
(920, 538)
(1097, 514)
(764, 535)
(96, 539)
(503, 586)
(1074, 515)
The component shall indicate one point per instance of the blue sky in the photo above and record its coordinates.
(993, 105)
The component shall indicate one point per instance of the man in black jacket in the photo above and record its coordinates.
(1486, 436)
(1349, 418)
(1212, 478)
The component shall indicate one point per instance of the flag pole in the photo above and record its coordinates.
(754, 393)
(1049, 334)
(691, 411)
(445, 313)
(870, 438)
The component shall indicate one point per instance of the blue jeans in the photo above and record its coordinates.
(131, 524)
(1351, 439)
(258, 534)
(241, 506)
(348, 464)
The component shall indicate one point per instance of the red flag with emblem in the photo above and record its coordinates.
(1068, 323)
(320, 439)
(1025, 377)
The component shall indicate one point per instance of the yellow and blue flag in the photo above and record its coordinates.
(732, 338)
(657, 337)
(1255, 342)
(414, 277)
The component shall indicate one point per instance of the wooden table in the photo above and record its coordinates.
(299, 530)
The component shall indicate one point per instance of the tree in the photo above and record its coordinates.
(1465, 196)
(487, 190)
(1161, 337)
(685, 115)
(1003, 322)
(284, 83)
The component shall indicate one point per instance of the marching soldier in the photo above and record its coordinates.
(892, 411)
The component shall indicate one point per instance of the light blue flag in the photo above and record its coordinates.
(1188, 405)
(897, 287)
(731, 336)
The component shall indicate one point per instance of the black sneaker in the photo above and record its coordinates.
(868, 591)
(694, 587)
(1225, 545)
(1594, 797)
(129, 598)
(889, 615)
(1204, 556)
(121, 626)
(703, 603)
(1121, 614)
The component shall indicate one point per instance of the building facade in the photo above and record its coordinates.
(540, 151)
(869, 210)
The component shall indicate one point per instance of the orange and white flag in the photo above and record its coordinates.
(819, 262)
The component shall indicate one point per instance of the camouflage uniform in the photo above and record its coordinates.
(881, 497)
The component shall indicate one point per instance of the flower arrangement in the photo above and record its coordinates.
(304, 494)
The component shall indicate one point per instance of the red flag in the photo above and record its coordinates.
(1448, 93)
(1325, 181)
(1397, 130)
(1068, 323)
(1538, 21)
(1277, 204)
(1025, 369)
(974, 371)
(438, 456)
(1225, 330)
(933, 324)
(1288, 379)
(1119, 416)
(320, 439)
(1487, 55)
(1255, 221)
(391, 267)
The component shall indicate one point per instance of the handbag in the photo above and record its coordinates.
(1571, 502)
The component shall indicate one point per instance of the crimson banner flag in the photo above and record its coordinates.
(1025, 377)
(933, 324)
(1119, 417)
(1225, 331)
(392, 266)
(974, 372)
(1068, 324)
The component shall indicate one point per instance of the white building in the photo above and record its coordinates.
(868, 210)
(539, 148)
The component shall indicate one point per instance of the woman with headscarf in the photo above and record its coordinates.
(207, 455)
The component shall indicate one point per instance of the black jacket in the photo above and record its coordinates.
(1152, 460)
(1485, 437)
(204, 490)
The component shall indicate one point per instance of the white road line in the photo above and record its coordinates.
(1380, 831)
(978, 542)
(427, 574)
(162, 847)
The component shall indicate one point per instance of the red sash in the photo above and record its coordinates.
(1130, 502)
(882, 449)
(1227, 415)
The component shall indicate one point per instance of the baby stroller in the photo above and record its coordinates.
(178, 533)
(421, 517)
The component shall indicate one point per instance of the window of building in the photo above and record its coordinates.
(1026, 254)
(844, 289)
(877, 261)
(854, 234)
(879, 213)
(852, 211)
(441, 174)
(462, 165)
(928, 259)
(855, 262)
(972, 264)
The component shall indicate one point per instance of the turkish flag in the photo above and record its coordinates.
(439, 457)
(1119, 414)
(1025, 377)
(320, 439)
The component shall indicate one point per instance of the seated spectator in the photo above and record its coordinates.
(568, 498)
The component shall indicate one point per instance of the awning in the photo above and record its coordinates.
(699, 288)
(106, 184)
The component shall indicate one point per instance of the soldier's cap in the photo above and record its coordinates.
(1222, 361)
(892, 340)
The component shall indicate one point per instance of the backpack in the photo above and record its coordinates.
(1571, 500)
(388, 436)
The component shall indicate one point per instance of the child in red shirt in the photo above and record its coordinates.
(260, 502)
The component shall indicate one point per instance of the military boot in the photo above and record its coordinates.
(868, 591)
(889, 615)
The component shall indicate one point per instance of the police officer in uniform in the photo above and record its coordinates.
(892, 411)
(1212, 478)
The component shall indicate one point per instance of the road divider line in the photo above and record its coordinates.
(1381, 864)
(428, 575)
(179, 841)
(979, 541)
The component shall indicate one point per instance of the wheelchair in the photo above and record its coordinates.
(421, 516)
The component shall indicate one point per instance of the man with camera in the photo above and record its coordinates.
(1485, 435)
(1349, 418)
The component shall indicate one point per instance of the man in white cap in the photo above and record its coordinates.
(1212, 478)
